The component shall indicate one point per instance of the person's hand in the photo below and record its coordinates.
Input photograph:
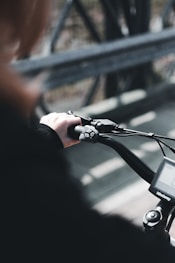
(60, 122)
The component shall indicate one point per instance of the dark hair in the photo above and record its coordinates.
(21, 24)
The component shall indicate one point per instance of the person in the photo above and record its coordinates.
(44, 214)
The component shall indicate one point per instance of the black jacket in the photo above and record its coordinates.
(44, 216)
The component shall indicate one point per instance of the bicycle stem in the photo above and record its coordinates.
(156, 221)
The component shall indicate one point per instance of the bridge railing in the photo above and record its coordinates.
(70, 66)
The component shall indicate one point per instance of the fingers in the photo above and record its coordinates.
(55, 117)
(60, 122)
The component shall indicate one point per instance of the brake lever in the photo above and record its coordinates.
(101, 125)
(85, 121)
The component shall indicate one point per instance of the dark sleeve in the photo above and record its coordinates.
(50, 135)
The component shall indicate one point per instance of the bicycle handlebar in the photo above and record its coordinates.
(99, 130)
(90, 134)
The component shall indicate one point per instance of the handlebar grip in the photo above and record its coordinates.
(74, 131)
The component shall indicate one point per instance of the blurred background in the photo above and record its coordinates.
(81, 24)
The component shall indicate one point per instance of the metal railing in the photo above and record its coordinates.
(71, 66)
(101, 58)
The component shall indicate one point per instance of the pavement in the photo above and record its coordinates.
(107, 181)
